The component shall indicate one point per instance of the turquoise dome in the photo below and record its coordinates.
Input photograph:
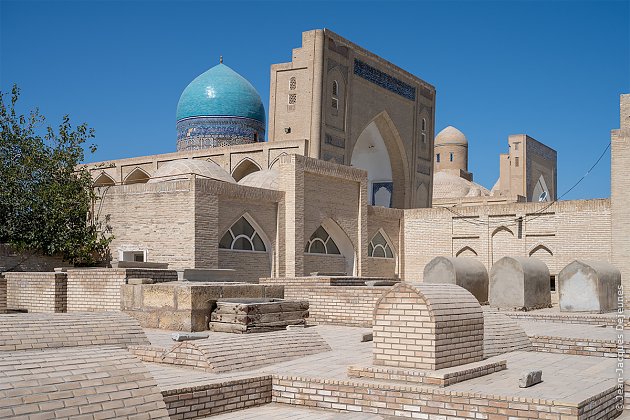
(220, 92)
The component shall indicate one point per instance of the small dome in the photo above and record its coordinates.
(180, 169)
(220, 92)
(267, 179)
(447, 185)
(451, 135)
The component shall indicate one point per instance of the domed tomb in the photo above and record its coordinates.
(182, 168)
(219, 108)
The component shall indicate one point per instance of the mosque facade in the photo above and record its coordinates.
(347, 179)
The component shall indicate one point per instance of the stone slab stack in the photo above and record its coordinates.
(255, 315)
(589, 286)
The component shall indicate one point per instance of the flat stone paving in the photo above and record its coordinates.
(292, 412)
(566, 378)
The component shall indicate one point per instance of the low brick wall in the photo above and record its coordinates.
(3, 294)
(422, 402)
(206, 400)
(579, 346)
(98, 289)
(333, 304)
(36, 291)
(569, 318)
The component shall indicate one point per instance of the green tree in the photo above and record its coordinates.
(46, 198)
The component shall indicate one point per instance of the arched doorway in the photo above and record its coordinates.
(370, 154)
(244, 168)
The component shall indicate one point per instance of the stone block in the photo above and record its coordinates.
(528, 379)
(189, 336)
(138, 264)
(589, 286)
(519, 283)
(468, 273)
(158, 296)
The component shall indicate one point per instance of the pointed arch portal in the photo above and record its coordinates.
(370, 154)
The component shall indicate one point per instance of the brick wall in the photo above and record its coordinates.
(3, 294)
(423, 402)
(98, 289)
(249, 266)
(333, 305)
(558, 234)
(620, 194)
(427, 326)
(36, 292)
(14, 261)
(157, 217)
(580, 346)
(206, 400)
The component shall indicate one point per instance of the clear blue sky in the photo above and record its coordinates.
(553, 70)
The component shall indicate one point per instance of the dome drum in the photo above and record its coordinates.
(197, 133)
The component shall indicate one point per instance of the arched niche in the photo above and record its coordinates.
(244, 168)
(137, 176)
(541, 191)
(370, 154)
(342, 243)
(379, 150)
(104, 180)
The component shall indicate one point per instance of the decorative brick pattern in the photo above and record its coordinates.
(98, 289)
(46, 331)
(427, 326)
(206, 400)
(36, 292)
(427, 403)
(237, 352)
(94, 382)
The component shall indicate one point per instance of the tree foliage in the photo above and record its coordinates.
(45, 196)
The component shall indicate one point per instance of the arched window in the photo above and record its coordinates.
(451, 156)
(242, 237)
(437, 158)
(321, 243)
(424, 124)
(424, 138)
(292, 99)
(335, 88)
(292, 83)
(379, 247)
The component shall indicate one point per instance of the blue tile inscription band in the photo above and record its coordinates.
(384, 80)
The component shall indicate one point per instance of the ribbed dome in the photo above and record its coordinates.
(451, 135)
(220, 91)
(180, 169)
(447, 185)
(267, 179)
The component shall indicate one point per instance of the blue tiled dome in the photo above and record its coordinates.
(220, 92)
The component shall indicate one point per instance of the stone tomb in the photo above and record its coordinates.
(468, 273)
(257, 315)
(589, 286)
(519, 283)
(184, 305)
(427, 326)
(427, 334)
